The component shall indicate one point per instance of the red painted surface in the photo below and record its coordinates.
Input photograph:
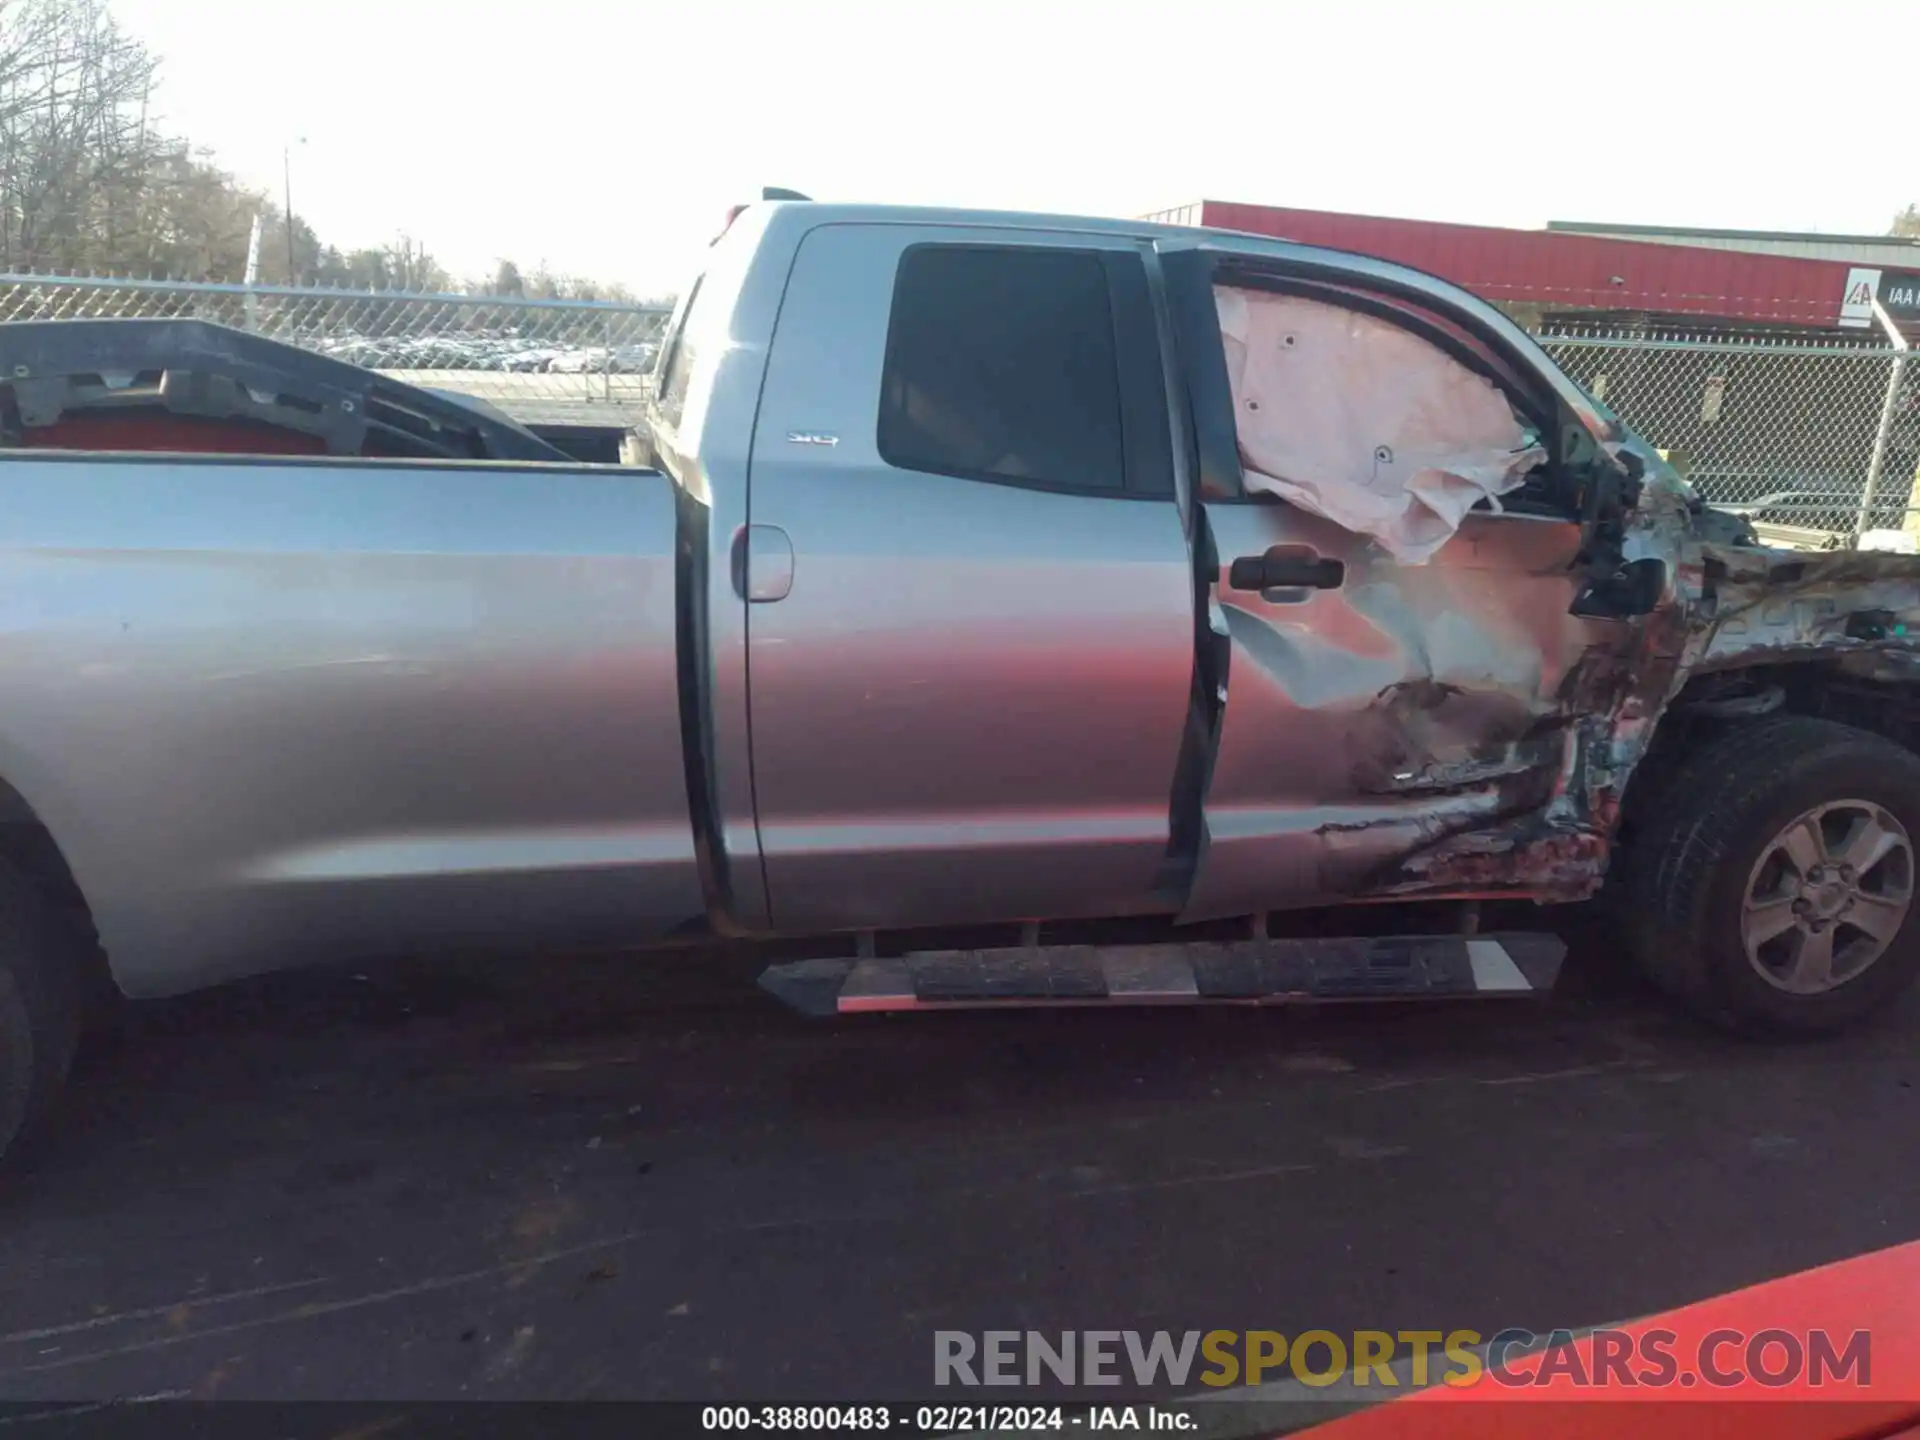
(1878, 1293)
(1552, 268)
(180, 434)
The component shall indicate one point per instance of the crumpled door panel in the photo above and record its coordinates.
(1367, 722)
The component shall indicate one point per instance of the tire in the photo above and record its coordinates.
(40, 995)
(1714, 854)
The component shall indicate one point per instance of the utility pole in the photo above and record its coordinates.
(286, 176)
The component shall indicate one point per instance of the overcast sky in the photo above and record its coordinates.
(608, 136)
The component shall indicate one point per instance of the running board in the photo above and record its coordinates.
(1246, 972)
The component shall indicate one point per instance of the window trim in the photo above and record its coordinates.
(1420, 320)
(1190, 277)
(1213, 454)
(670, 352)
(1146, 429)
(1146, 468)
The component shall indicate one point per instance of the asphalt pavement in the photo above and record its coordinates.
(639, 1178)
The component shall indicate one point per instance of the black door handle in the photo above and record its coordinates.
(1286, 567)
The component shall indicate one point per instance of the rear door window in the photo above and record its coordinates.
(1001, 365)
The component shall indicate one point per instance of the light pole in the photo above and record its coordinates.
(286, 176)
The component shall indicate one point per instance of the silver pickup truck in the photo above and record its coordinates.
(947, 617)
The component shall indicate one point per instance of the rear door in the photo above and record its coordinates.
(970, 628)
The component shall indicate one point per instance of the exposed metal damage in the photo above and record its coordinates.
(1841, 604)
(1730, 607)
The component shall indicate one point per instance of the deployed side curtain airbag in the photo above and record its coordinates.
(1365, 423)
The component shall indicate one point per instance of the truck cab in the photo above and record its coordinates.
(996, 627)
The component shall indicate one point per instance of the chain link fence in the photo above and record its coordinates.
(1818, 441)
(561, 362)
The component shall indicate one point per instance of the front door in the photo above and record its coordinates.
(1372, 708)
(970, 618)
(1370, 719)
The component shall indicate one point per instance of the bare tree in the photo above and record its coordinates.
(411, 268)
(91, 182)
(1907, 222)
(507, 281)
(543, 284)
(75, 151)
(88, 182)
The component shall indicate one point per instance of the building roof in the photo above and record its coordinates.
(1657, 232)
(1561, 270)
(1896, 252)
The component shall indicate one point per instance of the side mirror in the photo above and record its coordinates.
(1633, 589)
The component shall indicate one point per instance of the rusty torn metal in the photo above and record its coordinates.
(1729, 606)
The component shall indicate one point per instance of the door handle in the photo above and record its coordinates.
(1286, 567)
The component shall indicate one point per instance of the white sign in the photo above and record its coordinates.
(1856, 305)
(1900, 295)
(1712, 398)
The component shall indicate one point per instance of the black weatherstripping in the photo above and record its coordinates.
(692, 642)
(1143, 388)
(58, 369)
(1187, 276)
(1186, 819)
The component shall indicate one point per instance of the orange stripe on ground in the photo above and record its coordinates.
(1878, 1293)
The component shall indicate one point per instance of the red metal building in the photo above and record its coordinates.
(1560, 272)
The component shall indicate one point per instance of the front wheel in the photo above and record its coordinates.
(1773, 890)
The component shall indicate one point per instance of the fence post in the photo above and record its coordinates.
(252, 276)
(1889, 407)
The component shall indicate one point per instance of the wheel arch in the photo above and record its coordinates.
(29, 845)
(1873, 691)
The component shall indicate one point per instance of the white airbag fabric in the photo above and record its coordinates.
(1358, 420)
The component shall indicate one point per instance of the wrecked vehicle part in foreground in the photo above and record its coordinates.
(987, 628)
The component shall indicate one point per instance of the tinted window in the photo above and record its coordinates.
(1000, 364)
(671, 384)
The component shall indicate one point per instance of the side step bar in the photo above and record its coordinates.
(1257, 972)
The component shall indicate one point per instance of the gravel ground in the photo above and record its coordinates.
(635, 1178)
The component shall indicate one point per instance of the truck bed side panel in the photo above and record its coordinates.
(277, 712)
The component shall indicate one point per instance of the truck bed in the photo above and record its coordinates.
(287, 707)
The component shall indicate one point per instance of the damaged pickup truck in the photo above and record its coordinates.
(1055, 610)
